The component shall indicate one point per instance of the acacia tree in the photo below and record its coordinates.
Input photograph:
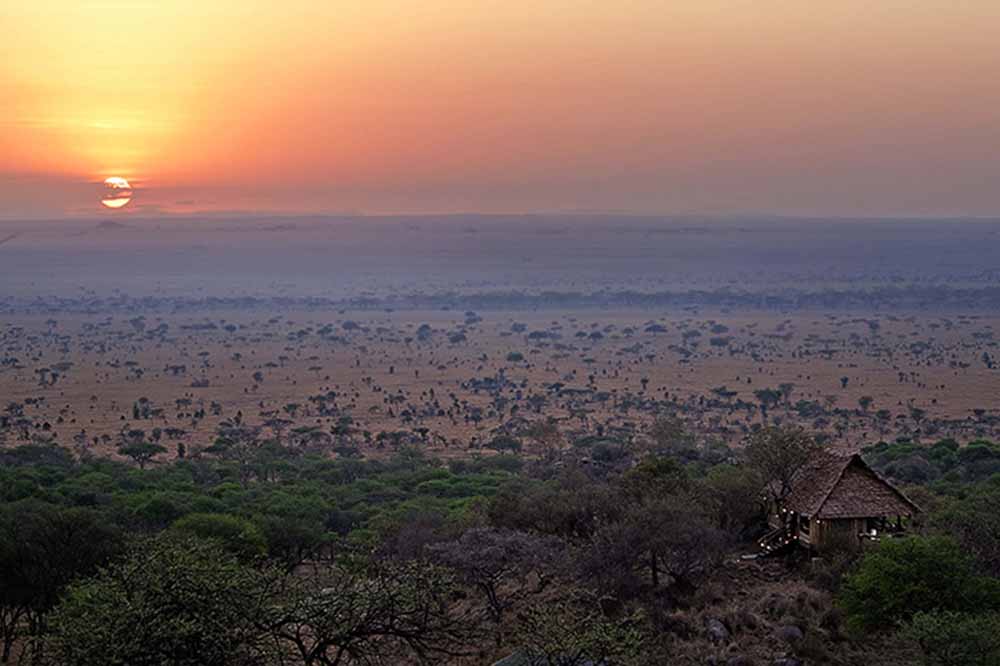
(655, 476)
(278, 426)
(670, 436)
(135, 446)
(778, 454)
(735, 493)
(665, 531)
(43, 548)
(371, 613)
(545, 434)
(767, 398)
(238, 441)
(496, 562)
(171, 601)
(665, 539)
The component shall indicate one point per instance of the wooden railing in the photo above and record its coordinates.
(776, 540)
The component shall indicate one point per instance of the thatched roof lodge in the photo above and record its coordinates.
(837, 500)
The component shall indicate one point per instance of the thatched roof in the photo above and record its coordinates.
(834, 486)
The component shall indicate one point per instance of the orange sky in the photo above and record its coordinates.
(738, 106)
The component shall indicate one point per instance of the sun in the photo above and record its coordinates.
(117, 193)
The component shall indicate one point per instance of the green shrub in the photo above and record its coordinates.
(236, 535)
(956, 639)
(178, 602)
(975, 522)
(901, 578)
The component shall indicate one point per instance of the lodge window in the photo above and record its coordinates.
(804, 524)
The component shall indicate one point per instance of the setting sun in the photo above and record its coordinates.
(686, 106)
(117, 193)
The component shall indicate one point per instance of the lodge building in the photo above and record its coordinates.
(837, 501)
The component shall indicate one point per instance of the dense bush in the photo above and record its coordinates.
(637, 533)
(182, 603)
(945, 460)
(974, 520)
(61, 518)
(235, 535)
(42, 549)
(899, 578)
(956, 639)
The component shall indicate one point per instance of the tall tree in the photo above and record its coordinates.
(371, 613)
(496, 562)
(42, 549)
(778, 454)
(172, 601)
(238, 441)
(135, 446)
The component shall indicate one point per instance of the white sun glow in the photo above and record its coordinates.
(116, 182)
(117, 192)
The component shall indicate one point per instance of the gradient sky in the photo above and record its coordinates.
(855, 107)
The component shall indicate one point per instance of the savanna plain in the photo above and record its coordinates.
(491, 439)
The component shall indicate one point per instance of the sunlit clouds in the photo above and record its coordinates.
(690, 106)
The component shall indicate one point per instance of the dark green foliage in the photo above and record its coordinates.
(78, 510)
(326, 498)
(282, 528)
(568, 634)
(944, 460)
(899, 578)
(571, 507)
(655, 476)
(142, 452)
(170, 602)
(735, 491)
(40, 455)
(42, 548)
(510, 464)
(974, 521)
(777, 455)
(956, 639)
(505, 443)
(235, 535)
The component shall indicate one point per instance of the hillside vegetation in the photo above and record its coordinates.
(256, 553)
